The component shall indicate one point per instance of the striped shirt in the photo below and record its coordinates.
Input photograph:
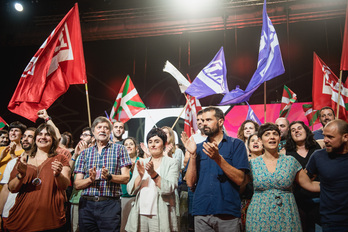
(113, 157)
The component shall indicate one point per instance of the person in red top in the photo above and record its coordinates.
(41, 180)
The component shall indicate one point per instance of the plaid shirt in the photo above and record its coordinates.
(113, 157)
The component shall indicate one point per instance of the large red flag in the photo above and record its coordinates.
(344, 56)
(325, 88)
(58, 63)
(191, 115)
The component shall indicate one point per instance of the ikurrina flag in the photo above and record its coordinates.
(128, 102)
(326, 87)
(57, 64)
(311, 115)
(288, 98)
(2, 123)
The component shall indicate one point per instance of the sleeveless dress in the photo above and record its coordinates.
(273, 206)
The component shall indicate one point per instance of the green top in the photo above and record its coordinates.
(124, 186)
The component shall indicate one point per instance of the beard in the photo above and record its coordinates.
(337, 150)
(211, 131)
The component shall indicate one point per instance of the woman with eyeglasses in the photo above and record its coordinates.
(273, 206)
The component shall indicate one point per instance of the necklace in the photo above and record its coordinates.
(37, 181)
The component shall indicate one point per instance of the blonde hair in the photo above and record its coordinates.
(171, 139)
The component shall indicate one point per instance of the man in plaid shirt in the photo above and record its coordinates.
(99, 172)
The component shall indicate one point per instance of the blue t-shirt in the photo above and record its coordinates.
(318, 134)
(332, 170)
(215, 193)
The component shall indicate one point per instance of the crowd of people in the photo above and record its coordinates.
(274, 177)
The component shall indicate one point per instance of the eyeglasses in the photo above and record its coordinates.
(85, 135)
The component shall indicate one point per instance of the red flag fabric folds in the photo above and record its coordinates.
(58, 63)
(325, 88)
(344, 56)
(191, 115)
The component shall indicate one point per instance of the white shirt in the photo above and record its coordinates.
(11, 199)
(148, 195)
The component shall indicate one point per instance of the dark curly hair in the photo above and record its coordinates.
(309, 142)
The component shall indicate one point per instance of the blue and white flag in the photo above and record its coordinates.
(212, 79)
(269, 65)
(252, 116)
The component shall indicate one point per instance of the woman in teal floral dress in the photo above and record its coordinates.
(273, 206)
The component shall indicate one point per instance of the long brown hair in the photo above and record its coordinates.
(50, 130)
(240, 133)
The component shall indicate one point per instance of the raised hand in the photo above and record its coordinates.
(92, 173)
(167, 150)
(211, 149)
(42, 114)
(149, 168)
(146, 150)
(22, 165)
(188, 143)
(141, 168)
(104, 173)
(57, 167)
(82, 145)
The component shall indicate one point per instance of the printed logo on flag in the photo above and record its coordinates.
(215, 73)
(63, 52)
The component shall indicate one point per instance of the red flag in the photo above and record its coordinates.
(344, 56)
(325, 88)
(2, 123)
(58, 63)
(191, 115)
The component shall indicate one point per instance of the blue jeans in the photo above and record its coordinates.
(99, 216)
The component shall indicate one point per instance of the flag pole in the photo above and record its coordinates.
(177, 119)
(88, 108)
(339, 95)
(264, 100)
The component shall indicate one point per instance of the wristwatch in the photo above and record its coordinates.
(109, 177)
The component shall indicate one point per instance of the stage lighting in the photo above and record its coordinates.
(18, 6)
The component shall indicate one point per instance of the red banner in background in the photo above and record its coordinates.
(236, 116)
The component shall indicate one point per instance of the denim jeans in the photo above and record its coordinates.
(101, 216)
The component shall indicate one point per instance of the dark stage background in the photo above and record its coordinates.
(111, 56)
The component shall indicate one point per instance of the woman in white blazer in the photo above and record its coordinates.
(154, 182)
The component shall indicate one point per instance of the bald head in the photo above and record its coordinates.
(341, 125)
(283, 125)
(336, 136)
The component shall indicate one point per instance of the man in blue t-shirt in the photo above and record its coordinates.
(216, 170)
(331, 165)
(326, 115)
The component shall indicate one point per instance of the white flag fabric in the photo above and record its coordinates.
(182, 81)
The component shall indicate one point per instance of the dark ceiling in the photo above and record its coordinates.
(137, 37)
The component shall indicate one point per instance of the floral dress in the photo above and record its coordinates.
(273, 206)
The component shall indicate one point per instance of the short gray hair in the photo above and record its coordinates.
(100, 119)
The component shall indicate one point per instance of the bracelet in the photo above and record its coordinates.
(48, 118)
(19, 178)
(155, 177)
(73, 159)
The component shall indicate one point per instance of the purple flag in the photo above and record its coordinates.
(212, 78)
(252, 116)
(269, 65)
